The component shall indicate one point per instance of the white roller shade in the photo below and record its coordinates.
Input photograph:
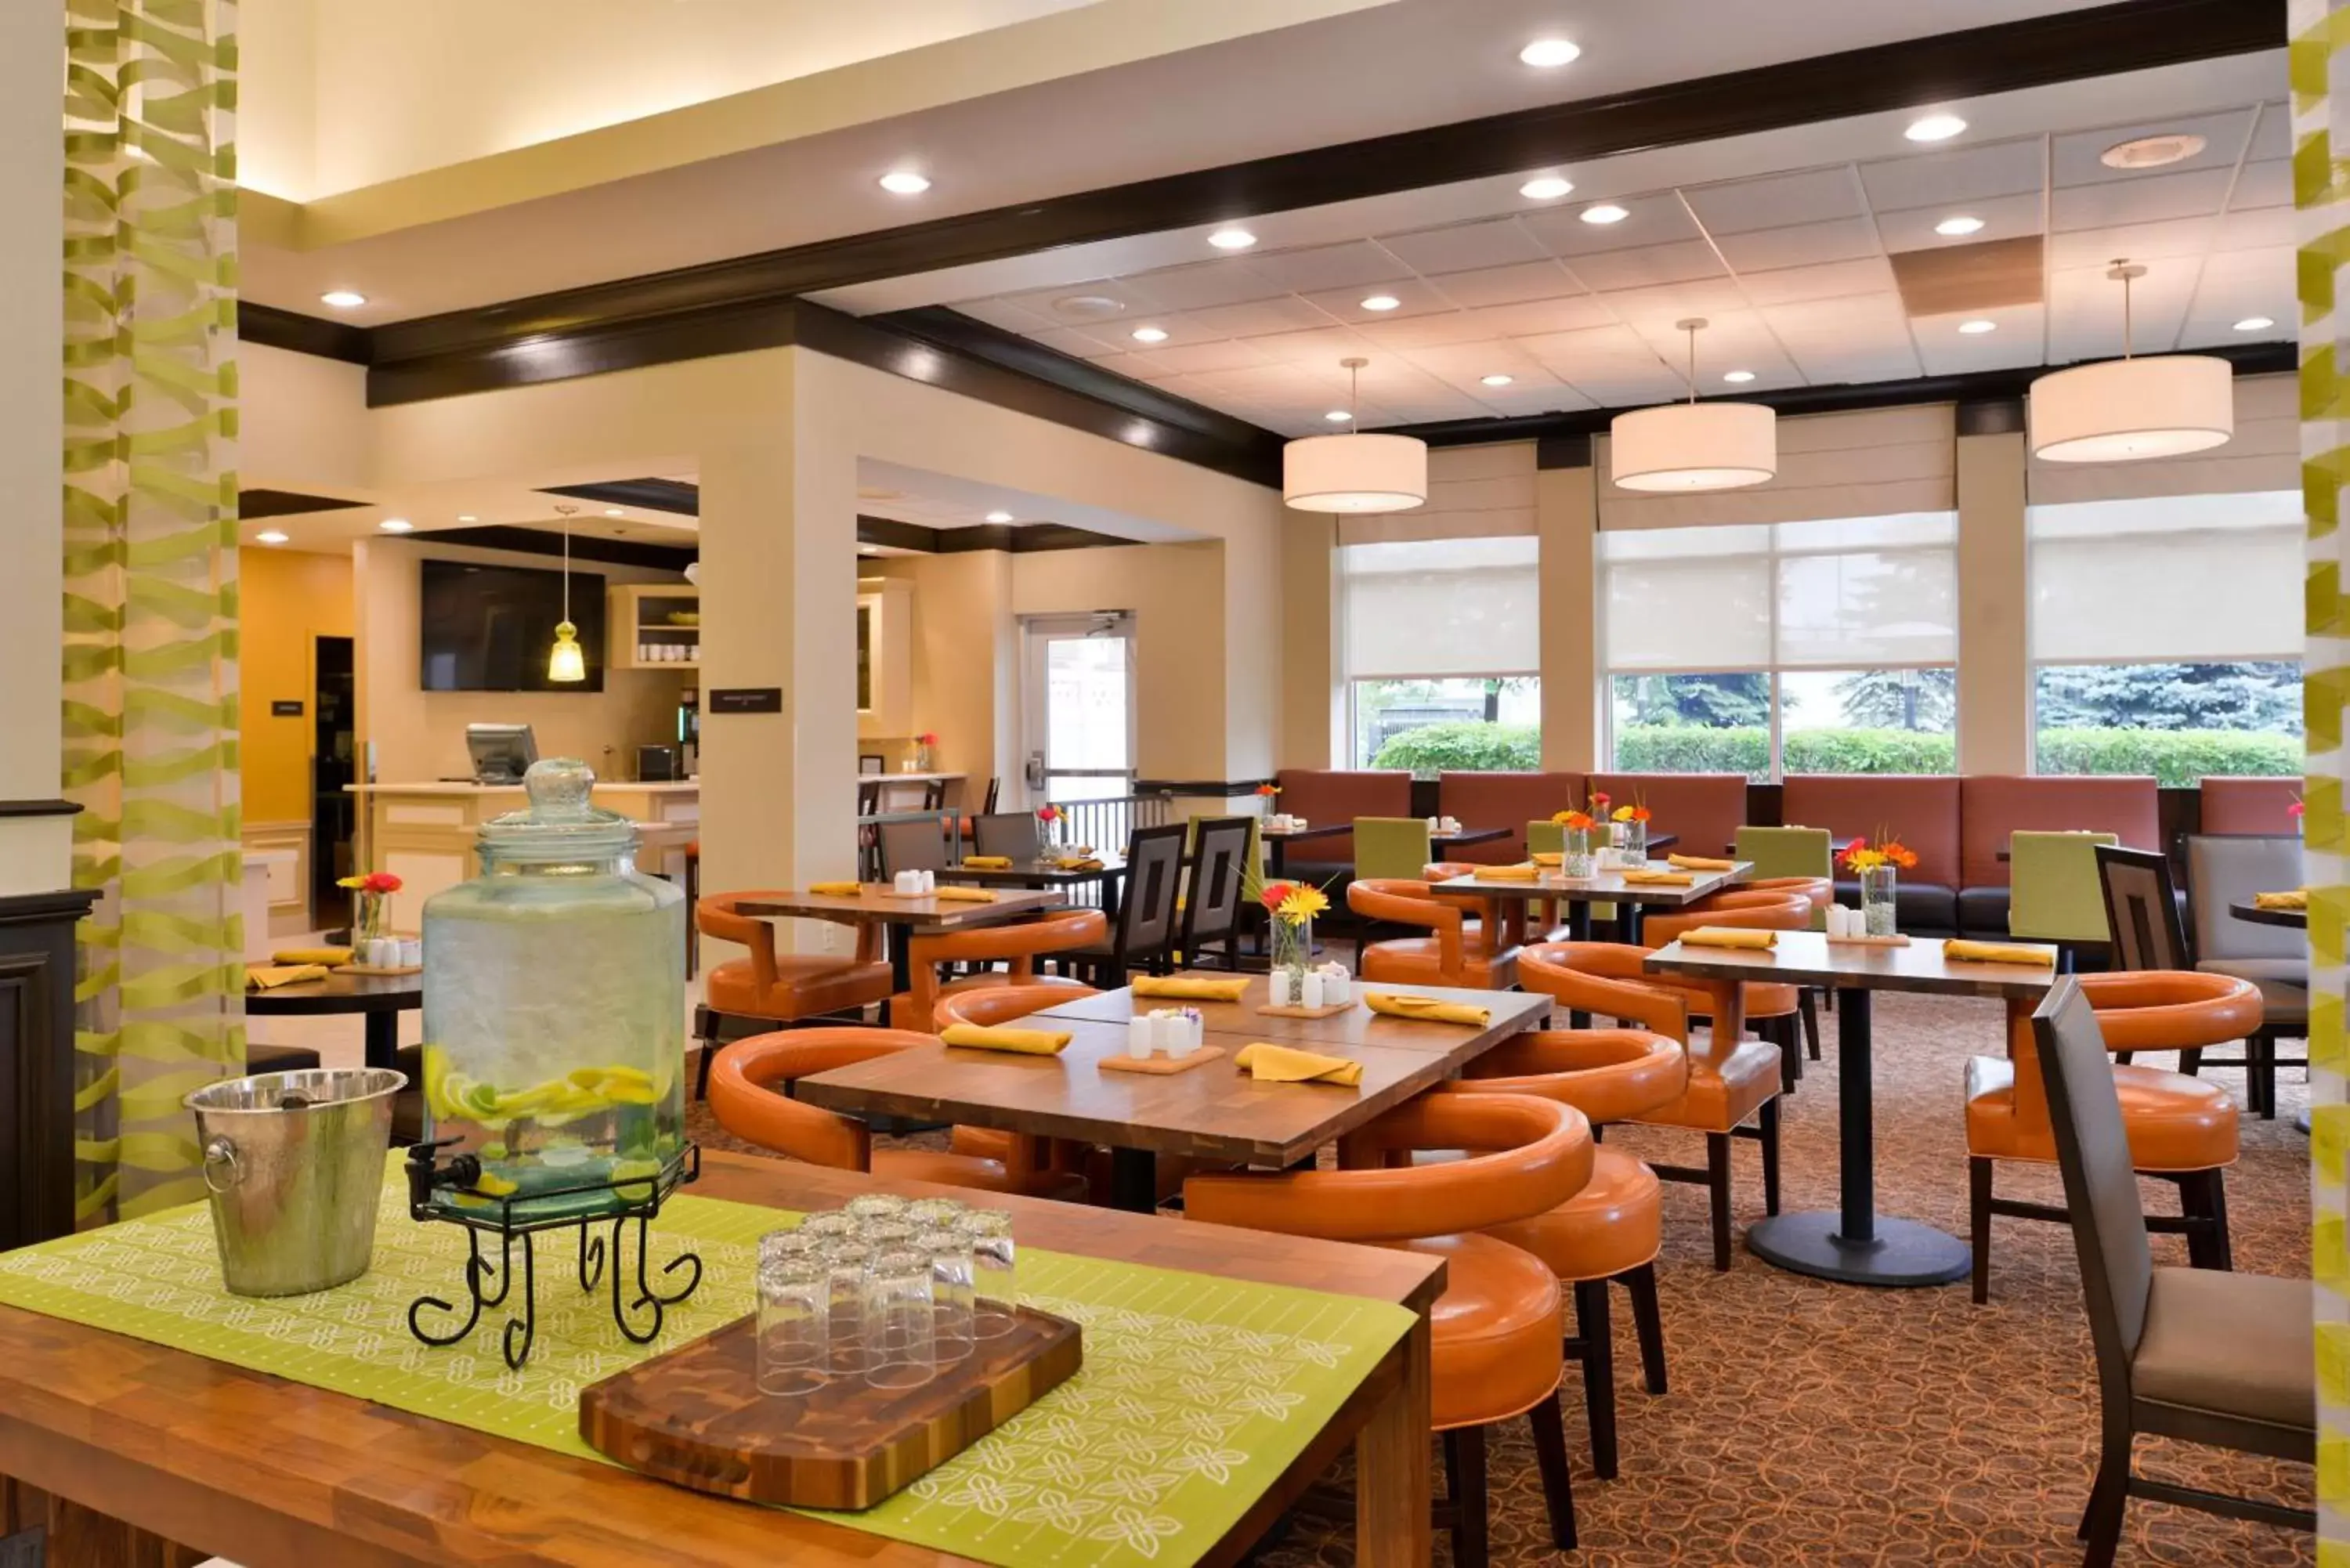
(2167, 579)
(2264, 455)
(1439, 608)
(1693, 613)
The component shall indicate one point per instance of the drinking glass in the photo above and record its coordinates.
(934, 1213)
(891, 1235)
(795, 1324)
(948, 1250)
(995, 1282)
(833, 1224)
(875, 1206)
(791, 1244)
(847, 1261)
(901, 1327)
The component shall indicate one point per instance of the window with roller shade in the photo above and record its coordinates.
(1770, 649)
(2166, 635)
(1441, 651)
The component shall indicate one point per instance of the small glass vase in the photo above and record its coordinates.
(924, 762)
(1578, 859)
(1876, 899)
(370, 915)
(1633, 846)
(1293, 953)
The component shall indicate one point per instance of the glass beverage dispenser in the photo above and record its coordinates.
(554, 1010)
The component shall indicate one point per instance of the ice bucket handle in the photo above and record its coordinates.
(218, 1152)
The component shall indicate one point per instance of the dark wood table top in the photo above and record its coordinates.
(1341, 1033)
(340, 992)
(2297, 920)
(1806, 958)
(1214, 1111)
(1461, 837)
(879, 905)
(227, 1460)
(1605, 886)
(1027, 873)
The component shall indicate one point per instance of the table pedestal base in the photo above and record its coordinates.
(1903, 1252)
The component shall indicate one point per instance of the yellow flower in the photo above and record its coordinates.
(351, 882)
(1302, 905)
(1864, 859)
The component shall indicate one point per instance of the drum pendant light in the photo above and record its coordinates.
(2128, 409)
(566, 662)
(1693, 445)
(1353, 472)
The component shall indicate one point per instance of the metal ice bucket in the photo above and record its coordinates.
(296, 1165)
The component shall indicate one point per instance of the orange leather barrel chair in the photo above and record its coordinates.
(985, 1007)
(746, 1096)
(770, 987)
(1773, 1010)
(2181, 1128)
(1017, 946)
(1731, 1078)
(1456, 951)
(1610, 1230)
(1495, 1342)
(1821, 892)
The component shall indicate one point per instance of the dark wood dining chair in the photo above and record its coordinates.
(1144, 934)
(916, 843)
(1011, 834)
(1218, 876)
(2193, 1354)
(934, 794)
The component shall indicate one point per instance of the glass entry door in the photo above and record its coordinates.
(1077, 707)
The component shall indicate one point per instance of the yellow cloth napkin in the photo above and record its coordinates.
(1661, 878)
(963, 895)
(1701, 862)
(1730, 937)
(2292, 898)
(269, 976)
(1027, 1041)
(1429, 1008)
(333, 958)
(1548, 857)
(1077, 863)
(1271, 1063)
(836, 889)
(1999, 952)
(1190, 987)
(988, 862)
(1526, 873)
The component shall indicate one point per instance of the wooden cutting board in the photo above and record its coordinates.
(696, 1417)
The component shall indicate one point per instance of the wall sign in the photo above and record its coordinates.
(285, 708)
(745, 699)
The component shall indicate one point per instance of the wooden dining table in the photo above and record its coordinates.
(1579, 893)
(1212, 1111)
(133, 1455)
(903, 915)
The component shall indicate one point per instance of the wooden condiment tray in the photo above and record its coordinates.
(1291, 1010)
(695, 1417)
(373, 968)
(1161, 1066)
(1895, 940)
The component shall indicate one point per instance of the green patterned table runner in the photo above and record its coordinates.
(1196, 1394)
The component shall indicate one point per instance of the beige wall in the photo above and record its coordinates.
(964, 655)
(1312, 718)
(1994, 661)
(419, 735)
(287, 600)
(303, 421)
(1566, 524)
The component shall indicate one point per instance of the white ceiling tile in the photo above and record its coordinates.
(2261, 229)
(1318, 346)
(1946, 351)
(1079, 345)
(1539, 316)
(1835, 280)
(1424, 331)
(1056, 306)
(2145, 198)
(1801, 245)
(1593, 343)
(2084, 314)
(1286, 314)
(1548, 396)
(2273, 137)
(2174, 243)
(1655, 221)
(1611, 389)
(1830, 365)
(1957, 174)
(2268, 184)
(2002, 218)
(2075, 158)
(1684, 262)
(1859, 321)
(1225, 282)
(1190, 357)
(1003, 314)
(1499, 242)
(1777, 201)
(1544, 279)
(1412, 298)
(2273, 264)
(1464, 366)
(1327, 267)
(1655, 309)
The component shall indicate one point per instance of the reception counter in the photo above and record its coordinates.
(423, 833)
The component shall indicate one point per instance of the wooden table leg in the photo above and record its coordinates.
(79, 1537)
(1393, 1491)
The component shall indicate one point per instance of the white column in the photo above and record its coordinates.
(1567, 524)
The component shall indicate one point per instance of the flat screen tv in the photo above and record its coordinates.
(488, 628)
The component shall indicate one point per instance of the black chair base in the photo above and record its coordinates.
(2202, 1217)
(1715, 1177)
(1592, 1348)
(2260, 1062)
(1463, 1510)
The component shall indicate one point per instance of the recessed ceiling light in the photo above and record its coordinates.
(1739, 377)
(1605, 212)
(271, 536)
(1548, 52)
(1963, 225)
(1232, 239)
(396, 525)
(1548, 188)
(904, 183)
(2152, 152)
(1935, 128)
(1338, 416)
(999, 517)
(2255, 324)
(467, 517)
(614, 511)
(1150, 335)
(1497, 380)
(1978, 327)
(1381, 302)
(1089, 306)
(343, 298)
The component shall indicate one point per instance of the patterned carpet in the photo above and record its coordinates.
(1818, 1424)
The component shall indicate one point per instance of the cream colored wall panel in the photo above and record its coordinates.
(422, 873)
(425, 816)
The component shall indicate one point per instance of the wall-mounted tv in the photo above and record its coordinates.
(488, 628)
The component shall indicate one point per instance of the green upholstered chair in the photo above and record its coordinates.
(2054, 893)
(1391, 846)
(1546, 838)
(1788, 852)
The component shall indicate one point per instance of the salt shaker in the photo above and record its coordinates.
(1310, 988)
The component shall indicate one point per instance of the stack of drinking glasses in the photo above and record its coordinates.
(885, 1289)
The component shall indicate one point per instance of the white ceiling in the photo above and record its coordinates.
(1789, 261)
(1388, 68)
(437, 508)
(946, 501)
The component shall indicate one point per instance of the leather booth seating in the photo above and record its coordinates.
(2248, 806)
(1703, 811)
(1322, 797)
(1920, 810)
(1994, 806)
(1504, 800)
